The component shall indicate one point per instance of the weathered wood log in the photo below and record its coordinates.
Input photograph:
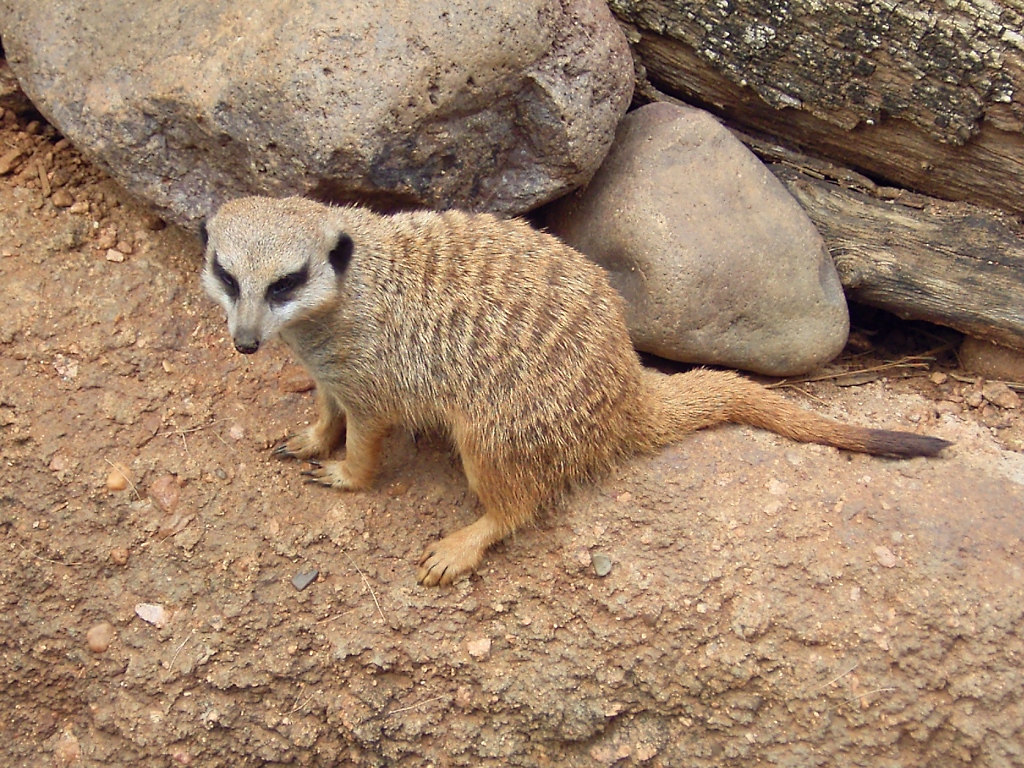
(953, 264)
(921, 94)
(950, 263)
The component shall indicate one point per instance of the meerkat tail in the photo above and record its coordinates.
(702, 398)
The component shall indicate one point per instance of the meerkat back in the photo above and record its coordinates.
(508, 328)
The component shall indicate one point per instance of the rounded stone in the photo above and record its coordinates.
(717, 262)
(497, 106)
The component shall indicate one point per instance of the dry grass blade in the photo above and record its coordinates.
(835, 679)
(910, 362)
(366, 583)
(414, 706)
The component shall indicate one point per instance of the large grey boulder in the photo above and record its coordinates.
(717, 262)
(499, 106)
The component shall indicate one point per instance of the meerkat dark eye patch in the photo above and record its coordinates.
(341, 254)
(226, 279)
(281, 290)
(204, 235)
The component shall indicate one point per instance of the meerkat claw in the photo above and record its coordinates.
(427, 577)
(423, 580)
(282, 451)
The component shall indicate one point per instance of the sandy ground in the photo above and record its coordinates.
(766, 602)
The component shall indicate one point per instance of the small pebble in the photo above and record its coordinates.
(645, 751)
(152, 613)
(398, 488)
(61, 198)
(885, 557)
(998, 393)
(117, 480)
(303, 579)
(106, 238)
(296, 380)
(99, 637)
(602, 564)
(119, 556)
(165, 492)
(479, 649)
(115, 256)
(9, 159)
(67, 750)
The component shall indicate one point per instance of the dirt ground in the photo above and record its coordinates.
(762, 602)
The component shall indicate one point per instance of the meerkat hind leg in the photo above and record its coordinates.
(319, 440)
(356, 471)
(506, 506)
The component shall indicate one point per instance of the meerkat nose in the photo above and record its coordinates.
(247, 346)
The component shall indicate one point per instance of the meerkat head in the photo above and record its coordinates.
(271, 262)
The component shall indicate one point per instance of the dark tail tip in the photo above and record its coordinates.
(883, 442)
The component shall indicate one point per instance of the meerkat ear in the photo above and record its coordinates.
(204, 235)
(341, 254)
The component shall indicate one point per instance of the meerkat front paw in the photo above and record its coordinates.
(309, 444)
(335, 474)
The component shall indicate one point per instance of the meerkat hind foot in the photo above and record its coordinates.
(459, 553)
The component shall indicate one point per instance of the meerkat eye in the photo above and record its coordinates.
(281, 290)
(226, 279)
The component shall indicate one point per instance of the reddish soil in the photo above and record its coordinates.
(767, 602)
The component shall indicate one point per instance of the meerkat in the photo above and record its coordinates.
(502, 337)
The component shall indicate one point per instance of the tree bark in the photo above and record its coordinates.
(920, 94)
